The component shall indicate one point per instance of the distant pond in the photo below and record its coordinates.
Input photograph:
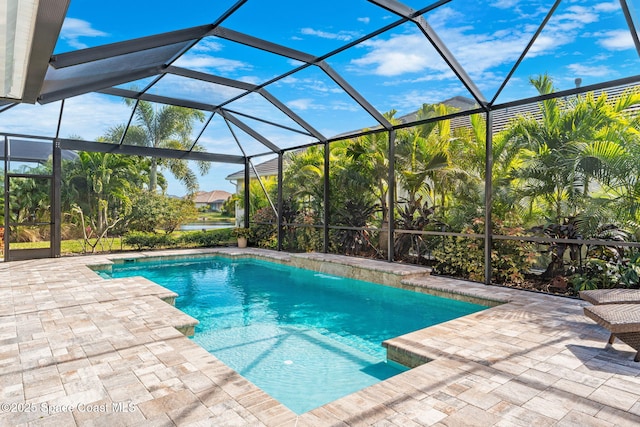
(206, 225)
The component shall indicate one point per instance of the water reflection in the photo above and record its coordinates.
(206, 225)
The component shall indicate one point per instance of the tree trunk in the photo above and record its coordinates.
(383, 238)
(153, 175)
(100, 220)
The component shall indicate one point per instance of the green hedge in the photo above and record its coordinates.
(210, 238)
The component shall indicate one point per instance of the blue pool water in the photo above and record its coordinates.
(305, 338)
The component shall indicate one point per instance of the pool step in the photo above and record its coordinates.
(368, 270)
(161, 302)
(405, 356)
(187, 330)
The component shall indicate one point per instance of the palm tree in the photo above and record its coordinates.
(257, 197)
(469, 151)
(304, 179)
(423, 154)
(165, 127)
(30, 198)
(570, 157)
(577, 146)
(103, 184)
(351, 203)
(370, 154)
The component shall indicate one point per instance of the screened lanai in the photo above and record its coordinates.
(271, 82)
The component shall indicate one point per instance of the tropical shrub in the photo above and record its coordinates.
(460, 257)
(413, 216)
(356, 213)
(264, 229)
(176, 213)
(228, 209)
(141, 240)
(206, 238)
(566, 228)
(306, 238)
(605, 274)
(153, 211)
(464, 256)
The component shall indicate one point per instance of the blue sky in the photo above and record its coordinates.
(395, 70)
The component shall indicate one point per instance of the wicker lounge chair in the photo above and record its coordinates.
(622, 320)
(611, 296)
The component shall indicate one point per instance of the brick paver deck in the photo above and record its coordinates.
(79, 350)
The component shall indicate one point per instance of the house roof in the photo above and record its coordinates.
(268, 168)
(211, 196)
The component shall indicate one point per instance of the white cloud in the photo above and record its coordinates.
(564, 29)
(311, 85)
(301, 104)
(344, 106)
(607, 7)
(91, 115)
(439, 76)
(220, 142)
(294, 62)
(477, 52)
(207, 45)
(575, 18)
(364, 20)
(400, 54)
(340, 35)
(20, 119)
(412, 53)
(290, 80)
(411, 100)
(505, 4)
(205, 62)
(196, 90)
(306, 104)
(616, 40)
(86, 116)
(444, 16)
(73, 29)
(254, 80)
(547, 43)
(601, 57)
(588, 71)
(483, 52)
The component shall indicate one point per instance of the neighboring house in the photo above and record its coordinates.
(212, 200)
(264, 169)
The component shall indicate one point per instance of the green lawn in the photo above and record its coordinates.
(214, 217)
(75, 246)
(116, 244)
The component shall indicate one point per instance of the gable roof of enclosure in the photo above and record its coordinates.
(163, 69)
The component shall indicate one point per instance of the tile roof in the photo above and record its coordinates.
(211, 196)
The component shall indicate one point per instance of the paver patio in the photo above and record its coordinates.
(76, 349)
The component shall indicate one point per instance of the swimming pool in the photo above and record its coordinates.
(303, 337)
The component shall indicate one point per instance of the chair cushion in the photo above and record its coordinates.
(611, 296)
(617, 318)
